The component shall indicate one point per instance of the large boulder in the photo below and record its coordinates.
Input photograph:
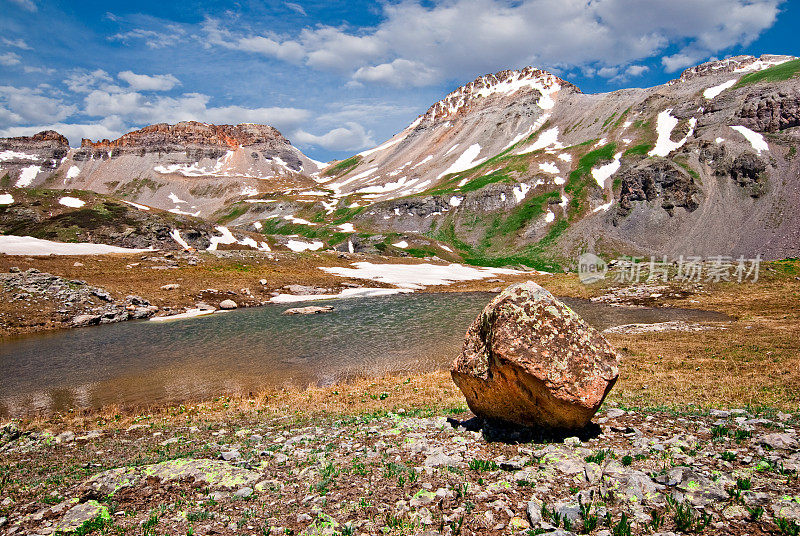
(529, 359)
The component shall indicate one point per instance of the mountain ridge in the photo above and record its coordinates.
(516, 167)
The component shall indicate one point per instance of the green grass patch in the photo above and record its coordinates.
(525, 212)
(480, 182)
(580, 178)
(639, 150)
(778, 73)
(344, 166)
(345, 214)
(239, 209)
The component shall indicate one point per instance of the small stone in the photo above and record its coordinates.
(227, 305)
(779, 441)
(229, 455)
(244, 493)
(65, 437)
(86, 320)
(304, 518)
(170, 286)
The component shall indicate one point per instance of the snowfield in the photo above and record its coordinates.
(417, 276)
(464, 162)
(72, 202)
(27, 245)
(756, 140)
(603, 173)
(26, 175)
(666, 124)
(298, 246)
(713, 92)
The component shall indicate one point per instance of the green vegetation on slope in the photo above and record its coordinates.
(343, 167)
(580, 177)
(781, 72)
(639, 150)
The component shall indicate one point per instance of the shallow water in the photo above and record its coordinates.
(142, 363)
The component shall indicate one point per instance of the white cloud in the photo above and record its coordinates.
(350, 138)
(636, 70)
(400, 73)
(26, 4)
(143, 82)
(297, 8)
(288, 50)
(16, 43)
(419, 44)
(84, 81)
(139, 109)
(166, 37)
(30, 105)
(9, 58)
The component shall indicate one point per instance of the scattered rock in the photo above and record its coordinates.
(80, 514)
(170, 286)
(227, 305)
(529, 359)
(779, 441)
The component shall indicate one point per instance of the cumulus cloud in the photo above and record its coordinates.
(9, 58)
(351, 137)
(399, 73)
(31, 105)
(288, 50)
(636, 70)
(457, 39)
(136, 108)
(143, 82)
(80, 81)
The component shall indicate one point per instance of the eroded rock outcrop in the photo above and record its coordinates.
(657, 179)
(529, 359)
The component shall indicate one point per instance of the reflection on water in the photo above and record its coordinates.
(142, 363)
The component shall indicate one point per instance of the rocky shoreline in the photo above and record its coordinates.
(267, 471)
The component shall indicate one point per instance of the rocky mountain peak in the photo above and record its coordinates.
(194, 134)
(529, 80)
(44, 139)
(736, 64)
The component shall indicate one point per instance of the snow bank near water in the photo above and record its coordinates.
(27, 245)
(418, 276)
(345, 293)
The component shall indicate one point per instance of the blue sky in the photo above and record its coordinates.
(337, 77)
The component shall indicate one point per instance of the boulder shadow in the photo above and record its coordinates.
(511, 433)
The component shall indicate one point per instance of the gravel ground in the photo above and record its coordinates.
(631, 472)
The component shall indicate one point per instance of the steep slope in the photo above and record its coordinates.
(521, 166)
(189, 168)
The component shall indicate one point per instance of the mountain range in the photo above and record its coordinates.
(516, 167)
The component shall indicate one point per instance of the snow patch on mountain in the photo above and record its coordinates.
(664, 127)
(756, 140)
(713, 92)
(466, 161)
(27, 175)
